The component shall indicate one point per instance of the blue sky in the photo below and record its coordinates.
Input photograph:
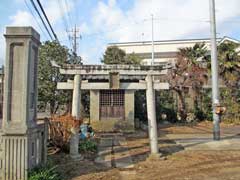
(104, 21)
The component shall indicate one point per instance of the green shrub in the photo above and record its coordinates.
(206, 105)
(200, 115)
(87, 146)
(47, 172)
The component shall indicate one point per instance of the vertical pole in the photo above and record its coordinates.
(214, 68)
(152, 62)
(75, 41)
(151, 113)
(76, 112)
(76, 99)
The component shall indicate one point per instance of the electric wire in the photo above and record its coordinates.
(54, 34)
(34, 17)
(68, 13)
(35, 7)
(64, 20)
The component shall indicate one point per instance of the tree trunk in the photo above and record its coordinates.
(52, 107)
(182, 107)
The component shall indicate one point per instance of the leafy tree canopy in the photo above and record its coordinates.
(196, 53)
(229, 64)
(114, 55)
(48, 76)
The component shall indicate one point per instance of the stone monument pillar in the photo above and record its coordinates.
(151, 114)
(23, 142)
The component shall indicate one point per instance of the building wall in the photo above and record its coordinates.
(129, 106)
(94, 105)
(165, 51)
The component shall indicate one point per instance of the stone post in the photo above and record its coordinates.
(151, 114)
(76, 113)
(76, 99)
(21, 137)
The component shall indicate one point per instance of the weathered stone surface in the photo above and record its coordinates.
(23, 141)
(94, 105)
(76, 99)
(113, 152)
(129, 107)
(151, 113)
(112, 126)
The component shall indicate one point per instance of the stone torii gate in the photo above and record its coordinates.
(117, 77)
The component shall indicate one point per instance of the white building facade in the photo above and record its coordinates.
(164, 51)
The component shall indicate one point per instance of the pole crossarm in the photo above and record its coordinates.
(105, 86)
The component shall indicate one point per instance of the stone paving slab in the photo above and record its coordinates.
(113, 152)
(106, 142)
(206, 142)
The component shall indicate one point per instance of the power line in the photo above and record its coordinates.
(54, 34)
(34, 17)
(41, 19)
(75, 4)
(68, 14)
(65, 23)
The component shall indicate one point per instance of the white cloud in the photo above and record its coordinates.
(52, 8)
(109, 23)
(22, 18)
(174, 19)
(56, 9)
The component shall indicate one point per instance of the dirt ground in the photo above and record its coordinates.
(176, 164)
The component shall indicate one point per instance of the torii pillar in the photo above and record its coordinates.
(151, 114)
(76, 113)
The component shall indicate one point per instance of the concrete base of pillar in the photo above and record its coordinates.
(74, 145)
(156, 156)
(77, 157)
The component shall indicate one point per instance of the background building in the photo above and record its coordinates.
(164, 51)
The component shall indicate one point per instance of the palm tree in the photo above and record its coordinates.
(229, 65)
(188, 74)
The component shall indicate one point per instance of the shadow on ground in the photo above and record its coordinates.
(138, 150)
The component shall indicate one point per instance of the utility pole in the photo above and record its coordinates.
(152, 63)
(75, 36)
(214, 68)
(75, 31)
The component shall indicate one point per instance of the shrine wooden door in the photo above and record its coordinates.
(112, 105)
